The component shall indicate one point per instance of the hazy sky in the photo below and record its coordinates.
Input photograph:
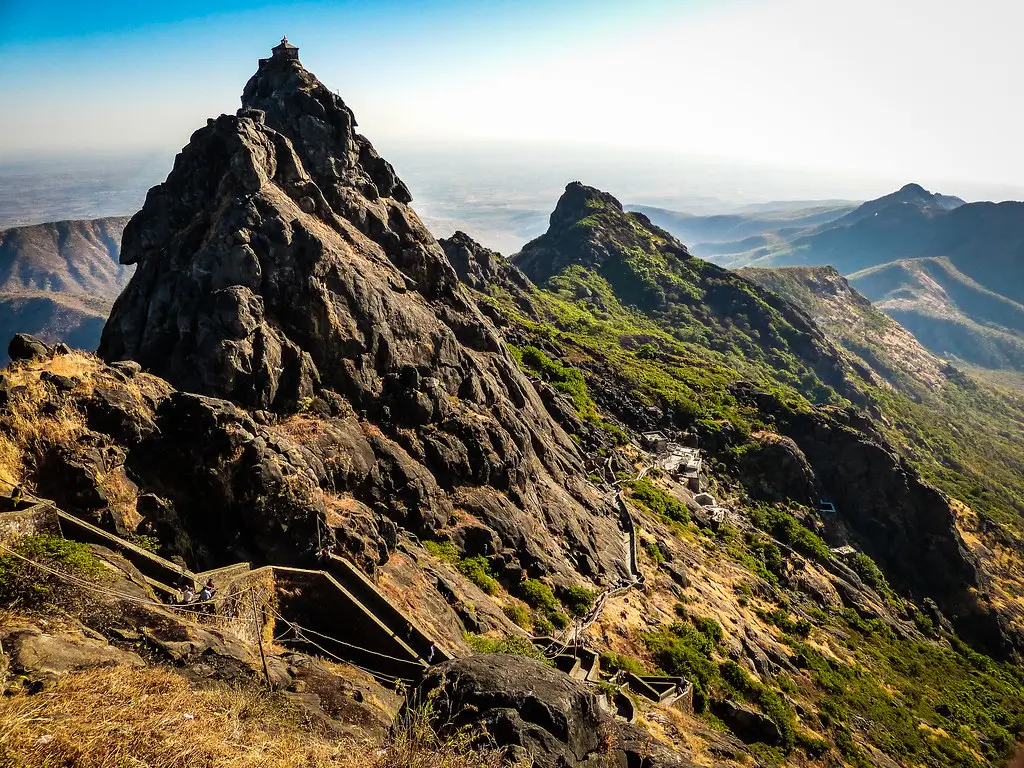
(914, 89)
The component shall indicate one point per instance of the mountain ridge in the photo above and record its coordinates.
(948, 270)
(58, 280)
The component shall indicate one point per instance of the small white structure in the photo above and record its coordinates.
(655, 441)
(844, 551)
(682, 462)
(706, 500)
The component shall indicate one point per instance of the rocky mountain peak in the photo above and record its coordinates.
(589, 228)
(247, 248)
(911, 200)
(280, 267)
(294, 102)
(913, 190)
(578, 201)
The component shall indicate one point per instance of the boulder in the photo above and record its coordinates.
(539, 714)
(45, 655)
(25, 347)
(749, 725)
(115, 412)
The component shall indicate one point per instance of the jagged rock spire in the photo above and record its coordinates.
(279, 266)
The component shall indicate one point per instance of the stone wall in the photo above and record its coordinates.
(34, 521)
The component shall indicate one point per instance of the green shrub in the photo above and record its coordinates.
(767, 553)
(659, 502)
(781, 619)
(559, 619)
(537, 594)
(518, 615)
(478, 570)
(148, 543)
(562, 377)
(654, 552)
(617, 661)
(710, 628)
(736, 677)
(22, 582)
(871, 575)
(787, 529)
(542, 625)
(513, 645)
(577, 600)
(684, 651)
(446, 551)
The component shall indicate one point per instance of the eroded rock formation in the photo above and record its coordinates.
(543, 717)
(281, 268)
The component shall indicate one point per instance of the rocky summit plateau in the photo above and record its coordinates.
(334, 492)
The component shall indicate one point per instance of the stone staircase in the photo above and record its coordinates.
(334, 610)
(584, 664)
(338, 610)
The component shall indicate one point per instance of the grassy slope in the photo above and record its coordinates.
(156, 718)
(644, 318)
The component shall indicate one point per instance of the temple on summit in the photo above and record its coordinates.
(285, 50)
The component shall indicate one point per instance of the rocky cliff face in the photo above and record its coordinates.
(281, 268)
(904, 523)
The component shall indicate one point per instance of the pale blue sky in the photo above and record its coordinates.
(910, 89)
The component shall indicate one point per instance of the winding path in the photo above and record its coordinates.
(637, 579)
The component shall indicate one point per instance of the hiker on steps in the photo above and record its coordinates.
(206, 596)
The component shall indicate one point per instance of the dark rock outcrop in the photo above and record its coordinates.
(25, 347)
(280, 268)
(905, 524)
(478, 266)
(749, 725)
(773, 468)
(539, 714)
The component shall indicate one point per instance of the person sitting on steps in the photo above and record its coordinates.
(16, 494)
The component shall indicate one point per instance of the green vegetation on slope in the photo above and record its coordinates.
(25, 584)
(641, 323)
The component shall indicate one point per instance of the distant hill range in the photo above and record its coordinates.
(951, 272)
(58, 280)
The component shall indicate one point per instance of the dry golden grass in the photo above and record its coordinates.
(38, 418)
(35, 426)
(11, 466)
(150, 718)
(300, 427)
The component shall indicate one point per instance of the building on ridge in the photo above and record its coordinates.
(285, 50)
